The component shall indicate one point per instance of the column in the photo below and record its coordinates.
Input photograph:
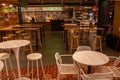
(103, 17)
(116, 20)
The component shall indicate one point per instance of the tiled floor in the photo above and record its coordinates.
(52, 42)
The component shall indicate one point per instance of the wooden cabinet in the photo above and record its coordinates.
(86, 13)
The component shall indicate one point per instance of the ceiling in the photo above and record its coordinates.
(53, 1)
(60, 1)
(8, 1)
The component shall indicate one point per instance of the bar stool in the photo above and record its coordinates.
(12, 36)
(30, 45)
(97, 42)
(27, 37)
(18, 34)
(6, 38)
(39, 38)
(35, 57)
(4, 57)
(74, 42)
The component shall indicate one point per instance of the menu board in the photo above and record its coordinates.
(43, 9)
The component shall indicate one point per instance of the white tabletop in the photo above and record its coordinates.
(1, 65)
(90, 58)
(13, 43)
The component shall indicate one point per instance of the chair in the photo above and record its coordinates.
(82, 48)
(104, 75)
(114, 67)
(65, 68)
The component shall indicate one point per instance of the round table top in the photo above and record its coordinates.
(90, 58)
(13, 43)
(1, 65)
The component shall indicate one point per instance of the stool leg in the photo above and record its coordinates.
(1, 75)
(32, 70)
(94, 43)
(31, 48)
(6, 67)
(77, 43)
(12, 68)
(23, 49)
(39, 39)
(28, 68)
(42, 68)
(71, 45)
(100, 45)
(37, 69)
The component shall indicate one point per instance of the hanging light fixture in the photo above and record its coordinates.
(61, 1)
(80, 1)
(96, 2)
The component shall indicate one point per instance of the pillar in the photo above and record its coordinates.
(116, 20)
(103, 17)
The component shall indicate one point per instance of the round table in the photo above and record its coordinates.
(90, 58)
(15, 45)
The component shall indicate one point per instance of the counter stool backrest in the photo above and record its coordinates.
(97, 75)
(83, 48)
(65, 68)
(117, 61)
(58, 58)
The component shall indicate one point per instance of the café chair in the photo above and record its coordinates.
(65, 68)
(105, 75)
(114, 67)
(83, 48)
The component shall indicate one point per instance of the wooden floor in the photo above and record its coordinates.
(52, 42)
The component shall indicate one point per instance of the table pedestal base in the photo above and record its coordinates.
(23, 78)
(89, 69)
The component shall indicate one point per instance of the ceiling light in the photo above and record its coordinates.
(3, 4)
(10, 5)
